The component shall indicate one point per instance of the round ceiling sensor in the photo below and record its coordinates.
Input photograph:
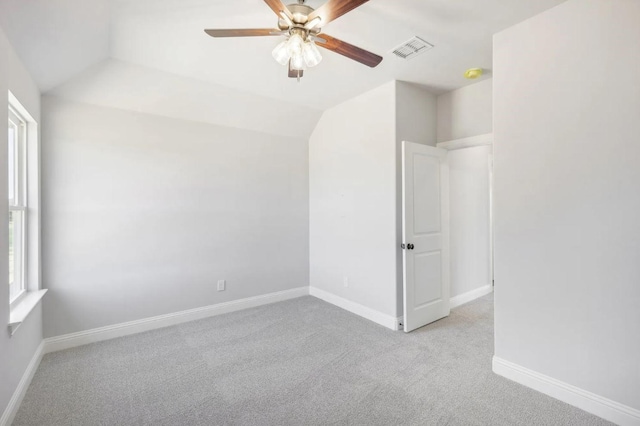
(473, 73)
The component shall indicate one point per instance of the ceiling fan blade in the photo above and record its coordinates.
(350, 51)
(247, 32)
(334, 9)
(278, 7)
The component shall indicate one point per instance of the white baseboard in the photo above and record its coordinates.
(372, 315)
(58, 343)
(14, 403)
(602, 407)
(461, 299)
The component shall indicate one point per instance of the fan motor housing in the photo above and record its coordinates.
(299, 12)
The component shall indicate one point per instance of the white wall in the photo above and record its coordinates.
(465, 112)
(416, 121)
(469, 189)
(352, 190)
(416, 114)
(356, 192)
(567, 197)
(15, 352)
(143, 214)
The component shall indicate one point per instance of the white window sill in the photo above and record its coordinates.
(22, 309)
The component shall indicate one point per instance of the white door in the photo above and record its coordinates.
(425, 204)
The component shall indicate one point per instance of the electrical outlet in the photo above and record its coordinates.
(345, 281)
(221, 285)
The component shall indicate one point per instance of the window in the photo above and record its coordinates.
(17, 191)
(23, 193)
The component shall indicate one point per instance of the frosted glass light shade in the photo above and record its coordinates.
(295, 45)
(311, 54)
(281, 53)
(297, 62)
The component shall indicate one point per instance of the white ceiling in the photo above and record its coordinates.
(59, 39)
(121, 85)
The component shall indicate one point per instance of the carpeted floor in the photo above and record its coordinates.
(300, 362)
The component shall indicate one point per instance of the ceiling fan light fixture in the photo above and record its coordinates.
(295, 44)
(313, 23)
(301, 25)
(298, 62)
(311, 54)
(286, 19)
(281, 53)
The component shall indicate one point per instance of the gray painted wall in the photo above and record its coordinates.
(15, 352)
(469, 195)
(356, 192)
(466, 112)
(567, 198)
(416, 121)
(143, 214)
(353, 200)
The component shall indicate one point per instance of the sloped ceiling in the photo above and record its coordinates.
(57, 39)
(60, 40)
(167, 34)
(124, 85)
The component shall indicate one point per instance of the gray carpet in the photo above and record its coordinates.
(300, 362)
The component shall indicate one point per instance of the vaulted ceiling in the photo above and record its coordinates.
(63, 40)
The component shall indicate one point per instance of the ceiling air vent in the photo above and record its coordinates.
(412, 48)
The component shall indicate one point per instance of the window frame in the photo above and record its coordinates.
(29, 203)
(17, 205)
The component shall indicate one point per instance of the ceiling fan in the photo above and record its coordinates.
(302, 27)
